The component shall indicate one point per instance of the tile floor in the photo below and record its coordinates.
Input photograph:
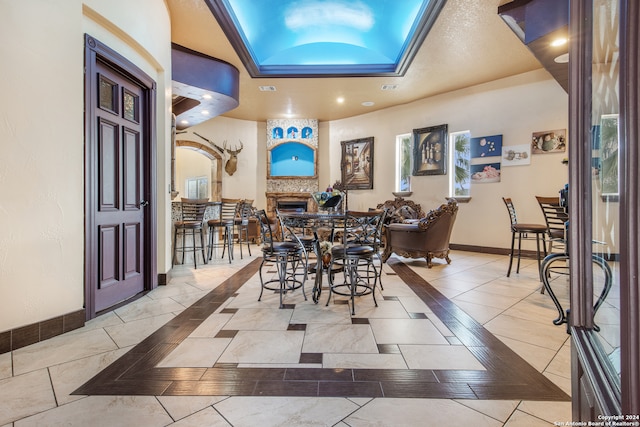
(457, 344)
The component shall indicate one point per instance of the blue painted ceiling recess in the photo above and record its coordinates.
(287, 38)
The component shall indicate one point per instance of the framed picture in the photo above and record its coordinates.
(357, 164)
(430, 150)
(486, 146)
(516, 155)
(608, 156)
(549, 141)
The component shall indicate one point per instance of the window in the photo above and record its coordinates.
(197, 188)
(460, 164)
(403, 162)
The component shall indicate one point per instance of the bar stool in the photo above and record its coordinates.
(523, 231)
(243, 218)
(192, 214)
(357, 259)
(226, 221)
(288, 256)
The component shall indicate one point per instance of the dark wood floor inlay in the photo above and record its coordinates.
(506, 375)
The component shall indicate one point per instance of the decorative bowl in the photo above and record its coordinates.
(327, 200)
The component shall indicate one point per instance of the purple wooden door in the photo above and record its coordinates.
(118, 189)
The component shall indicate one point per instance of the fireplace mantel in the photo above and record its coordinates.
(274, 197)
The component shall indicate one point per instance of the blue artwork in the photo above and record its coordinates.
(486, 146)
(307, 132)
(277, 133)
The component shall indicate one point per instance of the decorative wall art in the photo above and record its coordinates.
(485, 173)
(357, 164)
(549, 141)
(608, 153)
(516, 155)
(430, 150)
(292, 161)
(486, 146)
(486, 152)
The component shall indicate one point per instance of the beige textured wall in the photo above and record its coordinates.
(514, 107)
(42, 141)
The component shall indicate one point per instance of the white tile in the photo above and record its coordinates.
(60, 349)
(536, 356)
(182, 406)
(195, 353)
(108, 411)
(439, 357)
(406, 331)
(319, 313)
(211, 326)
(548, 411)
(25, 395)
(67, 377)
(207, 417)
(131, 333)
(363, 361)
(285, 411)
(418, 412)
(146, 307)
(548, 336)
(501, 410)
(522, 419)
(260, 319)
(321, 338)
(480, 313)
(264, 347)
(6, 366)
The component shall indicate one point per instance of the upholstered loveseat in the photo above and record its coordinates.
(400, 209)
(426, 237)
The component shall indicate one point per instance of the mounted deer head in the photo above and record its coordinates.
(232, 163)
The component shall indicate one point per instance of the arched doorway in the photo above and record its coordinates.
(216, 164)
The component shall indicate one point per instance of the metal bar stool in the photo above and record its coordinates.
(357, 259)
(225, 221)
(288, 256)
(192, 214)
(522, 231)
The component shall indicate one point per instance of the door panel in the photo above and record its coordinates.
(119, 216)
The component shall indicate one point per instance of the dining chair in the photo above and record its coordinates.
(225, 222)
(356, 257)
(524, 232)
(288, 256)
(556, 218)
(191, 221)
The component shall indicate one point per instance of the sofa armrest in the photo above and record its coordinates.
(404, 227)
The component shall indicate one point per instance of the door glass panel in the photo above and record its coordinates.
(605, 166)
(130, 106)
(108, 94)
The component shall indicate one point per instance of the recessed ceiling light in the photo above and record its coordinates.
(340, 100)
(184, 122)
(562, 59)
(205, 112)
(206, 96)
(267, 88)
(389, 87)
(559, 42)
(367, 103)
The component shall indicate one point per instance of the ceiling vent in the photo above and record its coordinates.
(389, 87)
(267, 88)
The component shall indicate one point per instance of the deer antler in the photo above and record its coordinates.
(217, 147)
(235, 152)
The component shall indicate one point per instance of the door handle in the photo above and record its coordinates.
(143, 203)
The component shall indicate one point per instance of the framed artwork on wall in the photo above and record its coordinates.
(357, 164)
(430, 150)
(549, 141)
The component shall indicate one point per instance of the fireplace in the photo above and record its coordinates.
(292, 205)
(301, 202)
